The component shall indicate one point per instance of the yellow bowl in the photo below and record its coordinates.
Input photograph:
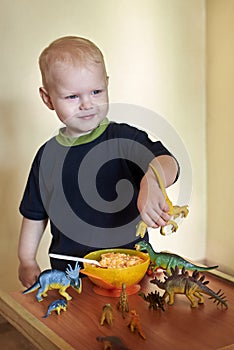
(113, 278)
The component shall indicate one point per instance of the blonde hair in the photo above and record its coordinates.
(71, 50)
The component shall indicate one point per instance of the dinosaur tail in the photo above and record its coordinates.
(193, 267)
(99, 338)
(34, 287)
(200, 268)
(219, 298)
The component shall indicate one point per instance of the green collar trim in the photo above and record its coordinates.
(76, 141)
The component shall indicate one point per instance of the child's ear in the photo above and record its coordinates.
(46, 98)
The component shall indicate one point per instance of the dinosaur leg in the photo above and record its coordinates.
(109, 319)
(41, 293)
(171, 298)
(176, 212)
(102, 319)
(141, 229)
(180, 211)
(58, 310)
(174, 227)
(153, 267)
(184, 211)
(63, 292)
(107, 345)
(165, 295)
(190, 296)
(200, 297)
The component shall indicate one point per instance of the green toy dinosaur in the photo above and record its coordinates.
(191, 286)
(167, 260)
(174, 210)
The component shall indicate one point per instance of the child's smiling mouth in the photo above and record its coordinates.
(87, 116)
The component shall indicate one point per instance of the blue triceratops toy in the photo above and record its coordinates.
(56, 279)
(56, 306)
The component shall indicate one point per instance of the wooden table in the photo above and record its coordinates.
(179, 327)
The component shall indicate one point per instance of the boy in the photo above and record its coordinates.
(92, 180)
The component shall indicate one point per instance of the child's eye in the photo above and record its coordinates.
(71, 97)
(96, 92)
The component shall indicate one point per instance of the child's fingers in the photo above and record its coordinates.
(165, 216)
(148, 220)
(154, 219)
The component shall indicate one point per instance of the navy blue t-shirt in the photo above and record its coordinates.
(89, 189)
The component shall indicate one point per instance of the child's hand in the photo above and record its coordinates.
(28, 273)
(151, 202)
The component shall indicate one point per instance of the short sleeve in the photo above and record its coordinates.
(31, 205)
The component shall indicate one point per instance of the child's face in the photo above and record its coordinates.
(78, 95)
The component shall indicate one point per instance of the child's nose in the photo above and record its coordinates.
(86, 103)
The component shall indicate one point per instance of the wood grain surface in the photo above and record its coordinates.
(178, 327)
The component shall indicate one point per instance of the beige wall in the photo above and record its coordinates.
(155, 54)
(220, 129)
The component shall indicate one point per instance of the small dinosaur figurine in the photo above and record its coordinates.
(135, 325)
(174, 210)
(56, 279)
(154, 299)
(122, 304)
(191, 286)
(167, 260)
(112, 343)
(57, 306)
(107, 315)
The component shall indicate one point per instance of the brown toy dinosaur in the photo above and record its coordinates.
(112, 343)
(191, 286)
(174, 210)
(135, 325)
(107, 315)
(122, 304)
(154, 299)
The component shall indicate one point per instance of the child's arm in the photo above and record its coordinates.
(151, 201)
(30, 236)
